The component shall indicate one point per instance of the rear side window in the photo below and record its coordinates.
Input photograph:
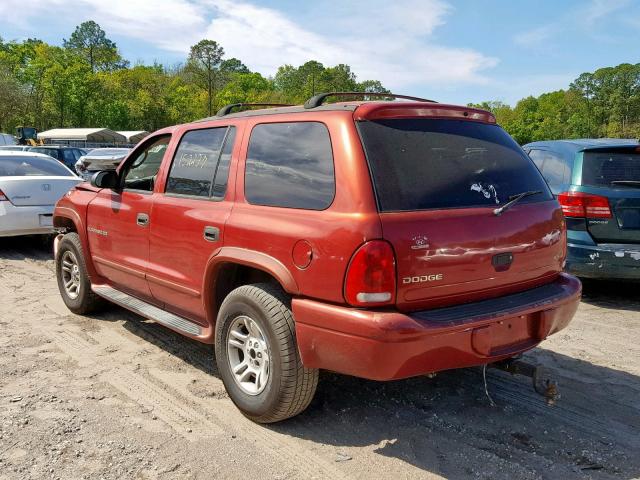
(290, 165)
(196, 164)
(553, 166)
(421, 163)
(602, 168)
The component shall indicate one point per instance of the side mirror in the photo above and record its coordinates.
(105, 179)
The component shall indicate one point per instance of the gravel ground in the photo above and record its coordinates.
(115, 396)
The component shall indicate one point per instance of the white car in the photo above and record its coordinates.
(100, 159)
(30, 186)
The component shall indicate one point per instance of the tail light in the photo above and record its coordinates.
(584, 205)
(371, 275)
(3, 197)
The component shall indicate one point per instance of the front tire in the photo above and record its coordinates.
(257, 355)
(73, 280)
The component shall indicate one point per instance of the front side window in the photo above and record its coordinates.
(140, 173)
(290, 165)
(196, 162)
(425, 163)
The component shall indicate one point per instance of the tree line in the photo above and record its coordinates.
(85, 82)
(605, 103)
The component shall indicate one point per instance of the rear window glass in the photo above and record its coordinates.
(290, 165)
(420, 164)
(602, 168)
(31, 167)
(52, 152)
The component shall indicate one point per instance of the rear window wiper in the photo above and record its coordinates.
(513, 199)
(627, 183)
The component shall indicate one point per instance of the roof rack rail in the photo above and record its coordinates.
(226, 110)
(319, 99)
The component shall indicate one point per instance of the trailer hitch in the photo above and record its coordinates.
(542, 380)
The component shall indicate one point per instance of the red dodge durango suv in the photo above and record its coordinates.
(381, 239)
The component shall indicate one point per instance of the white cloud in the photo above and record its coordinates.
(584, 17)
(597, 9)
(170, 24)
(536, 36)
(389, 41)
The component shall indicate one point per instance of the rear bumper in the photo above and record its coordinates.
(611, 261)
(27, 220)
(387, 345)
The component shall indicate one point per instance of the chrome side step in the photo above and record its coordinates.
(147, 310)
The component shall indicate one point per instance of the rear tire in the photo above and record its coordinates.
(73, 280)
(255, 338)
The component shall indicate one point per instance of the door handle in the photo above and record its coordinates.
(211, 234)
(142, 219)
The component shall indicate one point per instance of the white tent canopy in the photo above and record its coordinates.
(93, 135)
(134, 136)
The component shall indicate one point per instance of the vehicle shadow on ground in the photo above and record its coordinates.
(446, 425)
(34, 247)
(611, 294)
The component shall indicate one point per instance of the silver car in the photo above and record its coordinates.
(30, 186)
(100, 159)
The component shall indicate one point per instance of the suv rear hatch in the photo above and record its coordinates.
(438, 182)
(613, 173)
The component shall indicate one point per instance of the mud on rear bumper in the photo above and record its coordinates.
(387, 345)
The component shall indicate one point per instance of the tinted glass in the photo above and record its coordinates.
(419, 164)
(13, 166)
(222, 172)
(290, 165)
(141, 171)
(553, 166)
(52, 152)
(538, 158)
(602, 168)
(68, 158)
(195, 161)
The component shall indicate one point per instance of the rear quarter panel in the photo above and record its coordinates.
(333, 234)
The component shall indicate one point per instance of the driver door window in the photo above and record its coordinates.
(140, 173)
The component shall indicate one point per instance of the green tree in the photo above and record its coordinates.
(91, 43)
(205, 58)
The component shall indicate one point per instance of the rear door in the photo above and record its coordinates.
(614, 174)
(438, 183)
(118, 221)
(188, 218)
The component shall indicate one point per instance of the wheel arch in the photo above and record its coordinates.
(233, 267)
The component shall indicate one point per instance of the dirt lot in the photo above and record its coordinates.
(115, 396)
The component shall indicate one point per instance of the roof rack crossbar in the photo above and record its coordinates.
(319, 99)
(226, 110)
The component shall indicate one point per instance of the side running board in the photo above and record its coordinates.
(147, 310)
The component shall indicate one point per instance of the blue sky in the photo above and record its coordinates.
(456, 51)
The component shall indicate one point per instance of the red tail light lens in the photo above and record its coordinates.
(584, 205)
(3, 197)
(371, 275)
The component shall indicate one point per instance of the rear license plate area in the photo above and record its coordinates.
(506, 335)
(628, 218)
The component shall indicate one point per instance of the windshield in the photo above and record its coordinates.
(603, 168)
(421, 163)
(15, 166)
